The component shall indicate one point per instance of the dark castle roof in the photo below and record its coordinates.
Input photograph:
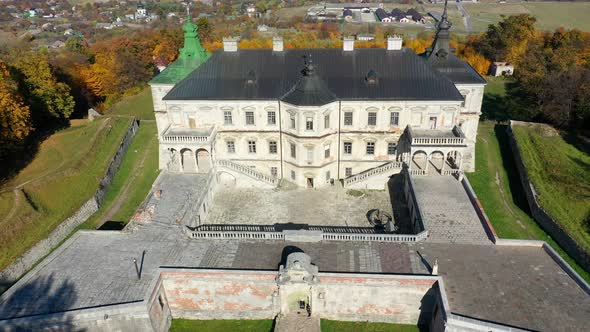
(402, 76)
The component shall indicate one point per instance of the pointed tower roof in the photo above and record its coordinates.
(440, 48)
(310, 90)
(190, 56)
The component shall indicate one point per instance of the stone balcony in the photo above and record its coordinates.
(430, 137)
(189, 135)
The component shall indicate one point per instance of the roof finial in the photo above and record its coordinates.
(444, 22)
(188, 12)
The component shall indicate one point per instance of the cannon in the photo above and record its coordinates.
(382, 220)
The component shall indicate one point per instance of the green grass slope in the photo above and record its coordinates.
(64, 174)
(186, 325)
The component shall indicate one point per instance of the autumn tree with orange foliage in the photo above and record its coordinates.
(15, 122)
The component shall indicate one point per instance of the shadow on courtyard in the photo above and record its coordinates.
(399, 206)
(43, 295)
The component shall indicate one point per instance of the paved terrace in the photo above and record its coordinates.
(448, 213)
(520, 286)
(322, 207)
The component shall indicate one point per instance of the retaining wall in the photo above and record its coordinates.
(552, 227)
(24, 263)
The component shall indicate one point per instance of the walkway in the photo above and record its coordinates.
(448, 213)
(298, 323)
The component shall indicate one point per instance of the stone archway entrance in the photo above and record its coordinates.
(203, 161)
(188, 161)
(437, 159)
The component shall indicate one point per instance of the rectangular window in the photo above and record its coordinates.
(227, 118)
(348, 118)
(309, 123)
(370, 147)
(394, 119)
(328, 176)
(348, 171)
(250, 118)
(464, 100)
(293, 175)
(272, 147)
(326, 121)
(272, 118)
(252, 146)
(293, 151)
(274, 172)
(347, 147)
(309, 154)
(327, 151)
(231, 147)
(391, 148)
(292, 119)
(372, 119)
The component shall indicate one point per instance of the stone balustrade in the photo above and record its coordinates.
(373, 171)
(414, 171)
(438, 141)
(325, 236)
(198, 137)
(247, 171)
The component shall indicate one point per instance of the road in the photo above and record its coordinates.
(465, 14)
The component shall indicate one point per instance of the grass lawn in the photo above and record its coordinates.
(496, 183)
(133, 181)
(139, 105)
(339, 326)
(186, 325)
(64, 174)
(560, 174)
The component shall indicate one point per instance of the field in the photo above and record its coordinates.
(63, 175)
(560, 173)
(132, 182)
(338, 326)
(550, 15)
(186, 325)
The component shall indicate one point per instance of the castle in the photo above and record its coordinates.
(317, 116)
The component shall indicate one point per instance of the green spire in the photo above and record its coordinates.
(190, 56)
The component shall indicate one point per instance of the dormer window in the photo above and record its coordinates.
(251, 78)
(371, 77)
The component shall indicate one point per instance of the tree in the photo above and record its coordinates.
(49, 99)
(204, 29)
(508, 40)
(15, 124)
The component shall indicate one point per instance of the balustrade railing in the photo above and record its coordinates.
(247, 171)
(438, 141)
(414, 171)
(183, 138)
(237, 235)
(373, 171)
(199, 234)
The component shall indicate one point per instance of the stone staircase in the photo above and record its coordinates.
(245, 170)
(297, 323)
(379, 170)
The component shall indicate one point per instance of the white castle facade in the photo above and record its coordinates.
(314, 117)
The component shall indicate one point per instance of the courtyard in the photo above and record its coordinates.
(321, 207)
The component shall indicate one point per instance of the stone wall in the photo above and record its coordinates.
(552, 227)
(132, 317)
(24, 263)
(220, 294)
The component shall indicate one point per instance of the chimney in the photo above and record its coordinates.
(277, 44)
(348, 44)
(230, 44)
(394, 43)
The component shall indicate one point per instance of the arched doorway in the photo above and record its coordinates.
(174, 161)
(188, 161)
(454, 159)
(419, 160)
(203, 161)
(437, 159)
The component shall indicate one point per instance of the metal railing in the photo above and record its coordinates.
(373, 171)
(247, 171)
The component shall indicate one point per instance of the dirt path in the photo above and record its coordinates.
(494, 170)
(123, 194)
